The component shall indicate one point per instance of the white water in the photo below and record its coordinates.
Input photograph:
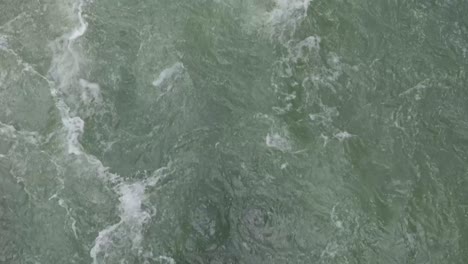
(132, 221)
(64, 70)
(169, 74)
(69, 87)
(3, 42)
(285, 18)
(275, 140)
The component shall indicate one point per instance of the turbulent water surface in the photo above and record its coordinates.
(233, 131)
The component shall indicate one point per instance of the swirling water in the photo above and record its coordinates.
(233, 131)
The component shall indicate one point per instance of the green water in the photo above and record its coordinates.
(233, 131)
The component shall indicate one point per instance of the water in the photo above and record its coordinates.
(225, 131)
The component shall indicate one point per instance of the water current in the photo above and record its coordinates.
(233, 131)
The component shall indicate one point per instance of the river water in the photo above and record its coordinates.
(233, 131)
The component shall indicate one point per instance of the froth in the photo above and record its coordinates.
(78, 32)
(167, 260)
(71, 92)
(3, 42)
(102, 242)
(169, 75)
(75, 128)
(8, 131)
(275, 140)
(133, 217)
(343, 135)
(130, 202)
(286, 16)
(64, 69)
(305, 47)
(91, 92)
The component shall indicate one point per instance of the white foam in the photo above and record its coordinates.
(275, 140)
(416, 90)
(130, 202)
(91, 92)
(343, 135)
(69, 88)
(293, 4)
(74, 127)
(282, 110)
(102, 242)
(132, 218)
(7, 130)
(336, 67)
(2, 79)
(168, 260)
(168, 75)
(78, 32)
(284, 166)
(311, 42)
(331, 250)
(3, 42)
(291, 96)
(305, 47)
(64, 205)
(130, 226)
(64, 69)
(335, 219)
(286, 16)
(285, 10)
(326, 116)
(325, 139)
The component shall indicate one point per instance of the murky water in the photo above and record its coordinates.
(233, 131)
